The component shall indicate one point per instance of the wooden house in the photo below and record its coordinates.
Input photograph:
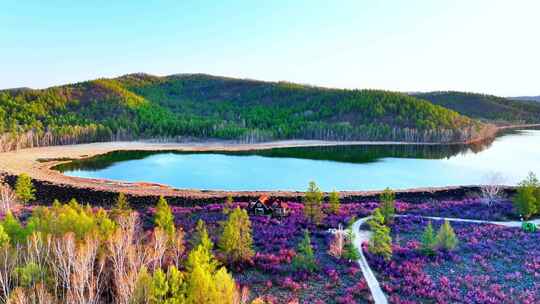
(268, 206)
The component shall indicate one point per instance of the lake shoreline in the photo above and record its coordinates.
(38, 163)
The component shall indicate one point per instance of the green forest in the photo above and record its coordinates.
(196, 106)
(486, 107)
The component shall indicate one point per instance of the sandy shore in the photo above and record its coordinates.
(28, 161)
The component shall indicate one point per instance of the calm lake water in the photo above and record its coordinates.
(344, 167)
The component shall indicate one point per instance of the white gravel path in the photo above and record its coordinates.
(361, 236)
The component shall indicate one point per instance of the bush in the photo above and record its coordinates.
(527, 200)
(24, 189)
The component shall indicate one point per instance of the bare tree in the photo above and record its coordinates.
(159, 246)
(8, 199)
(63, 251)
(87, 273)
(9, 257)
(491, 190)
(127, 255)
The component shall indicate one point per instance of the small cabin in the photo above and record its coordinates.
(268, 206)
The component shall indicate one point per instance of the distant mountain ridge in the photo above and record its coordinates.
(526, 98)
(184, 106)
(487, 108)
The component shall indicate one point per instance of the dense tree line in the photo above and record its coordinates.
(183, 107)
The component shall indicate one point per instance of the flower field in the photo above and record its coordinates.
(466, 209)
(271, 276)
(491, 264)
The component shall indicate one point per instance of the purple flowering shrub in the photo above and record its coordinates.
(270, 275)
(491, 264)
(467, 209)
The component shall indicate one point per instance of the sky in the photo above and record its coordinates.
(485, 46)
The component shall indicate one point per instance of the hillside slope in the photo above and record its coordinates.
(486, 107)
(526, 98)
(140, 106)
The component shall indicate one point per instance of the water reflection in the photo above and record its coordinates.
(356, 154)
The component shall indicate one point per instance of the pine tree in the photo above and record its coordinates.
(4, 237)
(334, 202)
(225, 287)
(527, 199)
(429, 241)
(200, 236)
(446, 237)
(388, 198)
(164, 218)
(313, 204)
(350, 252)
(24, 188)
(236, 241)
(381, 241)
(228, 204)
(305, 258)
(13, 228)
(205, 283)
(122, 202)
(200, 287)
(143, 287)
(203, 257)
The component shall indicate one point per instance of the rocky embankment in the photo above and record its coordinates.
(47, 191)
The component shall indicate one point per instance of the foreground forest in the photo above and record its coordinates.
(183, 107)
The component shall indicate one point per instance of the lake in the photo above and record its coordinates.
(372, 167)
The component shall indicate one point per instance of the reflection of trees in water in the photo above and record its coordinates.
(346, 154)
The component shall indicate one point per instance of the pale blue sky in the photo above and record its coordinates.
(486, 46)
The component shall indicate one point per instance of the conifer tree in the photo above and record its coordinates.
(225, 287)
(200, 236)
(4, 237)
(200, 287)
(122, 202)
(429, 241)
(313, 204)
(228, 204)
(381, 241)
(236, 241)
(205, 283)
(350, 252)
(143, 287)
(388, 198)
(203, 257)
(334, 202)
(305, 258)
(446, 237)
(24, 188)
(164, 219)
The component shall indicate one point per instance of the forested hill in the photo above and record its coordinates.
(180, 107)
(486, 107)
(526, 98)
